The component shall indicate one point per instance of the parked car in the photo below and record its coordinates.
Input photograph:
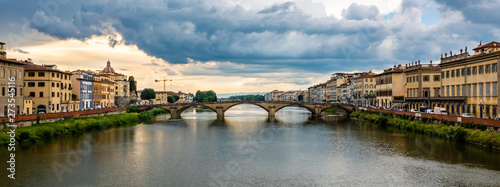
(467, 115)
(413, 110)
(41, 112)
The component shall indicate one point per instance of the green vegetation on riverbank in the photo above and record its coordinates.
(456, 133)
(47, 131)
(329, 111)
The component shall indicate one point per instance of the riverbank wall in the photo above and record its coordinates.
(439, 118)
(71, 126)
(472, 133)
(29, 120)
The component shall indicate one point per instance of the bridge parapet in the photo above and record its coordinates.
(270, 106)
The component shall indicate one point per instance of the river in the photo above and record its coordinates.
(249, 149)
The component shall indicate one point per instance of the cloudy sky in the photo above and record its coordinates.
(233, 46)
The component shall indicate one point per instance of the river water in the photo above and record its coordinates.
(247, 148)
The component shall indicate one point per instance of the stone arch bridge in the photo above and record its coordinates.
(270, 106)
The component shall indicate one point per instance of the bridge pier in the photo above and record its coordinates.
(317, 110)
(220, 111)
(271, 111)
(174, 113)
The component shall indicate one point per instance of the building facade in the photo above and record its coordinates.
(423, 85)
(469, 84)
(49, 87)
(390, 87)
(83, 87)
(11, 83)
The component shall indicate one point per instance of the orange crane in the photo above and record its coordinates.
(164, 80)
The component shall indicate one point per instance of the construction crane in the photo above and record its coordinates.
(164, 80)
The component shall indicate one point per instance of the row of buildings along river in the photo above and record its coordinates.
(460, 82)
(42, 88)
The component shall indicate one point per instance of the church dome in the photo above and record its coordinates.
(108, 68)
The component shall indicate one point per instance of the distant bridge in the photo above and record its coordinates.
(270, 106)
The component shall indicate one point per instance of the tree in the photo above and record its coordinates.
(176, 97)
(133, 87)
(148, 94)
(205, 96)
(74, 96)
(300, 97)
(170, 99)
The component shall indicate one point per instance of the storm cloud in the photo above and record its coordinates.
(281, 37)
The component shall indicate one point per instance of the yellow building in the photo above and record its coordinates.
(161, 97)
(28, 106)
(390, 87)
(470, 83)
(364, 89)
(49, 87)
(104, 91)
(423, 85)
(122, 90)
(11, 82)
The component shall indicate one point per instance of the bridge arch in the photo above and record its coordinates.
(245, 103)
(182, 109)
(296, 105)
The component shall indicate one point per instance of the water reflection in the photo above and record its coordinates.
(247, 148)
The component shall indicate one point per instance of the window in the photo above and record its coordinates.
(53, 85)
(448, 91)
(464, 90)
(494, 88)
(452, 73)
(41, 94)
(57, 85)
(458, 72)
(65, 77)
(413, 79)
(463, 72)
(366, 85)
(480, 89)
(468, 90)
(31, 74)
(481, 69)
(53, 74)
(487, 69)
(57, 75)
(53, 94)
(371, 80)
(493, 68)
(3, 91)
(488, 89)
(20, 91)
(474, 90)
(417, 78)
(442, 75)
(453, 91)
(41, 84)
(468, 71)
(57, 94)
(371, 85)
(426, 78)
(458, 90)
(41, 74)
(31, 84)
(32, 94)
(436, 78)
(474, 70)
(436, 92)
(447, 74)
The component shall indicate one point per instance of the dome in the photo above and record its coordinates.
(108, 68)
